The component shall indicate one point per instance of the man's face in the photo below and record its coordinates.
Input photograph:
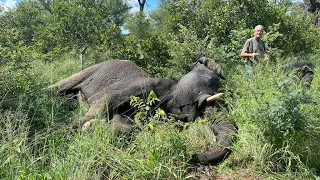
(258, 32)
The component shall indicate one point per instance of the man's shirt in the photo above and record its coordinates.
(254, 46)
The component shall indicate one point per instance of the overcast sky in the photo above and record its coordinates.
(8, 3)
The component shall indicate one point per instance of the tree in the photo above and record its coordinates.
(86, 23)
(138, 25)
(15, 57)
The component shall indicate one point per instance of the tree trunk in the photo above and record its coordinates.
(81, 60)
(142, 3)
(82, 51)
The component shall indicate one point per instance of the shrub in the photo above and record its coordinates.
(280, 115)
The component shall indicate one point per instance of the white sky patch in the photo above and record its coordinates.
(134, 4)
(8, 4)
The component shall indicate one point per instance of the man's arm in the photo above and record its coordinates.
(245, 54)
(245, 50)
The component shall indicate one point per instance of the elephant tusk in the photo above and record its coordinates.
(214, 97)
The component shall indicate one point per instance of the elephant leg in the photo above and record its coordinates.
(123, 124)
(87, 124)
(96, 111)
(72, 81)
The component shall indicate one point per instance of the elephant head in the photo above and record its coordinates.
(108, 86)
(303, 69)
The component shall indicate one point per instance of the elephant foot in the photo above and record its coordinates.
(87, 124)
(123, 124)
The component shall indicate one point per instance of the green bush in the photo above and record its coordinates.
(150, 53)
(280, 114)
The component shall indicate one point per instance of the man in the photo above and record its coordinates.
(254, 48)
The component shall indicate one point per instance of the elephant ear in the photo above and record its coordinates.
(212, 65)
(198, 83)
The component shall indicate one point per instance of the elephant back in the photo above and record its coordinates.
(298, 65)
(109, 73)
(304, 69)
(117, 96)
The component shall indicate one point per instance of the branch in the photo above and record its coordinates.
(142, 3)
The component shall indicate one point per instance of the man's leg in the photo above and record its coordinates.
(248, 70)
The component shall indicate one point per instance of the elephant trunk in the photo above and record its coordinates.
(223, 129)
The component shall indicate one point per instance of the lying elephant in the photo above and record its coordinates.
(303, 69)
(108, 86)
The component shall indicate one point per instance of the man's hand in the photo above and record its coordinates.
(253, 55)
(266, 58)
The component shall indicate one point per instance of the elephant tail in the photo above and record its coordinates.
(69, 83)
(224, 131)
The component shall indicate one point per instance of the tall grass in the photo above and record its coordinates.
(94, 154)
(38, 142)
(275, 140)
(278, 121)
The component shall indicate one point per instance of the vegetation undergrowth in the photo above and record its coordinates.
(278, 124)
(278, 121)
(56, 151)
(42, 42)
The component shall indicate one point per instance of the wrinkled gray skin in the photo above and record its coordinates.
(313, 7)
(303, 69)
(107, 88)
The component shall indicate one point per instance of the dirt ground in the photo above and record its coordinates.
(209, 173)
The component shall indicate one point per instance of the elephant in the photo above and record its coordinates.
(313, 7)
(303, 69)
(108, 86)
